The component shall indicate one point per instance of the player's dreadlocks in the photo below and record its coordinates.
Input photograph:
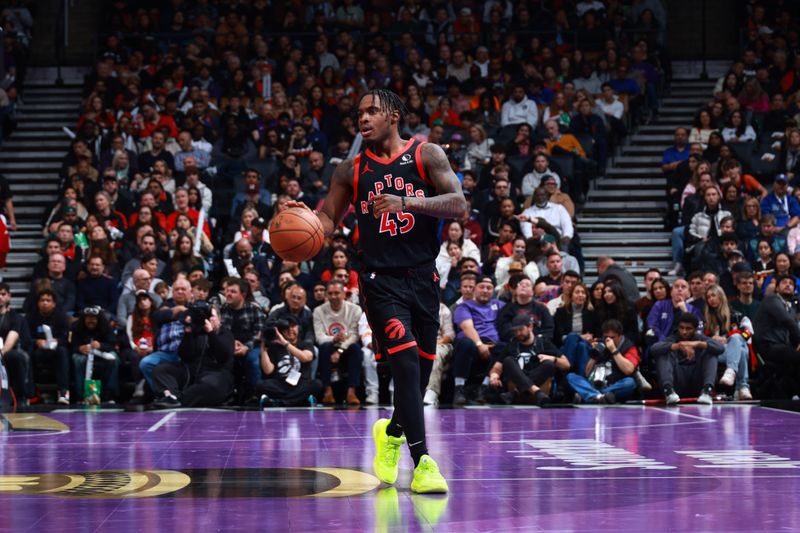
(390, 102)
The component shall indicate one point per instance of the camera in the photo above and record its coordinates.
(272, 326)
(199, 312)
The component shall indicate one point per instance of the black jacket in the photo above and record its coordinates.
(58, 322)
(542, 319)
(208, 352)
(775, 324)
(80, 335)
(563, 323)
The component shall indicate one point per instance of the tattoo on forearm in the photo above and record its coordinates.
(449, 201)
(449, 205)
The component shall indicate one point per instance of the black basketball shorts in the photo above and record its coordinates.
(402, 307)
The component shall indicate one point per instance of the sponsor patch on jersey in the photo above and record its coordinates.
(406, 159)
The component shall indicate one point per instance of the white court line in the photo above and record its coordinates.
(780, 410)
(166, 418)
(678, 413)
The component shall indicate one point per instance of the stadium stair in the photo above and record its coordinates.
(30, 160)
(624, 213)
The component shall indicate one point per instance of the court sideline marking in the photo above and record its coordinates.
(166, 418)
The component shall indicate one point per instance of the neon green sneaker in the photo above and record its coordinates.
(387, 452)
(427, 478)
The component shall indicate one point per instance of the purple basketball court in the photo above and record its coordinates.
(721, 468)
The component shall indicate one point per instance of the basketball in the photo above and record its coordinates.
(296, 234)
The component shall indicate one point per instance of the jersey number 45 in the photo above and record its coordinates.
(403, 224)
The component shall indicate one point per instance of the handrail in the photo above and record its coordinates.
(61, 38)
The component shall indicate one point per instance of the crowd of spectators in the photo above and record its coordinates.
(201, 119)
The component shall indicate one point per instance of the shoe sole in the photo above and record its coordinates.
(439, 489)
(375, 435)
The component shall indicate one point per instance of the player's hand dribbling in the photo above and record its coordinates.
(386, 203)
(294, 203)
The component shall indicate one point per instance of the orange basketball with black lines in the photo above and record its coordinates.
(296, 234)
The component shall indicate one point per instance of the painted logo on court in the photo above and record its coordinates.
(198, 483)
(394, 329)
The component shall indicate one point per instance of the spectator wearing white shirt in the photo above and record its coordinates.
(555, 214)
(738, 131)
(610, 104)
(519, 109)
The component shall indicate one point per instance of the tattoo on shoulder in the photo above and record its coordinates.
(438, 167)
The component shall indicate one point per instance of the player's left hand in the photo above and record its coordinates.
(386, 203)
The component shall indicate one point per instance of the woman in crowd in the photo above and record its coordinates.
(183, 258)
(558, 110)
(455, 234)
(749, 226)
(141, 337)
(731, 329)
(522, 144)
(615, 306)
(659, 290)
(702, 128)
(478, 153)
(339, 259)
(596, 294)
(783, 267)
(737, 130)
(577, 326)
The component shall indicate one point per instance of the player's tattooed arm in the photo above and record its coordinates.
(338, 198)
(449, 201)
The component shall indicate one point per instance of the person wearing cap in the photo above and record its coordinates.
(92, 331)
(782, 205)
(477, 337)
(457, 152)
(286, 362)
(613, 360)
(529, 363)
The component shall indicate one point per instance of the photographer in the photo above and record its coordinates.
(204, 375)
(611, 364)
(528, 363)
(285, 360)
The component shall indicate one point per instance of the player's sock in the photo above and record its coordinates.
(394, 429)
(418, 449)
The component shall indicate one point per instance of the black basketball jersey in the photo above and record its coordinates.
(394, 240)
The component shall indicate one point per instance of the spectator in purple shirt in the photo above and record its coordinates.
(477, 337)
(661, 319)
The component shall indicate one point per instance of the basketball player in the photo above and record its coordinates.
(399, 189)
